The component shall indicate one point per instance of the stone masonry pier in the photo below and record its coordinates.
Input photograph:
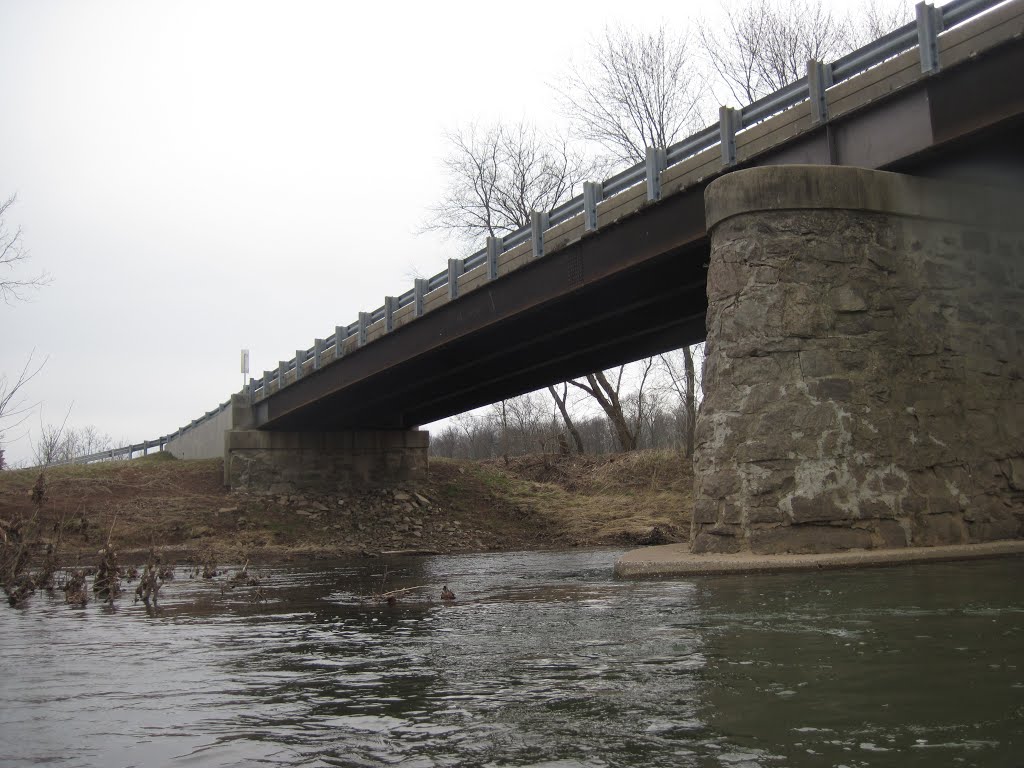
(865, 353)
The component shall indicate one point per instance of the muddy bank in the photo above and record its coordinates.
(181, 509)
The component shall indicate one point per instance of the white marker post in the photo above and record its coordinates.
(245, 366)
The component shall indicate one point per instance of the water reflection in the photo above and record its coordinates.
(544, 659)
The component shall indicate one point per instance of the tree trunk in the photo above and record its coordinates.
(608, 397)
(691, 401)
(560, 401)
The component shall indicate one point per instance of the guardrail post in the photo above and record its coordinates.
(339, 341)
(390, 306)
(538, 223)
(281, 366)
(419, 291)
(929, 25)
(300, 355)
(819, 78)
(657, 161)
(591, 197)
(318, 349)
(494, 247)
(266, 382)
(455, 268)
(364, 324)
(728, 124)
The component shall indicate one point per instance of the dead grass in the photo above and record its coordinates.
(638, 497)
(181, 507)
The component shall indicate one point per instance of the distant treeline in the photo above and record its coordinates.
(488, 435)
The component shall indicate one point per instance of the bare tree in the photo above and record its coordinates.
(644, 90)
(760, 46)
(85, 441)
(764, 45)
(14, 288)
(498, 174)
(639, 90)
(519, 421)
(561, 400)
(52, 444)
(682, 379)
(14, 408)
(874, 19)
(609, 397)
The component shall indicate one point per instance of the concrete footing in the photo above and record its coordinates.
(282, 462)
(677, 560)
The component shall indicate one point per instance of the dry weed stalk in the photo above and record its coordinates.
(154, 576)
(390, 596)
(20, 537)
(75, 591)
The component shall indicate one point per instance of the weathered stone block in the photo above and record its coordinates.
(847, 299)
(803, 539)
(705, 510)
(838, 390)
(821, 508)
(717, 543)
(760, 480)
(937, 530)
(877, 508)
(993, 530)
(766, 514)
(1013, 470)
(891, 535)
(718, 485)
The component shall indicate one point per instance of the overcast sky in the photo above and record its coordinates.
(204, 176)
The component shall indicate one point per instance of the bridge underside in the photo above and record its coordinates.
(636, 290)
(637, 287)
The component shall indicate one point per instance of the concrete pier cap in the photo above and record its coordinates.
(863, 381)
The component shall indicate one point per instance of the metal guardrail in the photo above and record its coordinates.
(127, 452)
(922, 33)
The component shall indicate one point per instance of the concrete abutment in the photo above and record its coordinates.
(863, 377)
(283, 462)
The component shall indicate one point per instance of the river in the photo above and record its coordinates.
(544, 659)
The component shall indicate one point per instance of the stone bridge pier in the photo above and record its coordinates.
(865, 352)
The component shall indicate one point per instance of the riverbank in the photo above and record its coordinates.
(181, 509)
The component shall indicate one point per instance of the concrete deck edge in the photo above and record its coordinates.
(676, 559)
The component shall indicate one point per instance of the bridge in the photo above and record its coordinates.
(626, 269)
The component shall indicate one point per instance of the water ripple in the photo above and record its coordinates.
(544, 660)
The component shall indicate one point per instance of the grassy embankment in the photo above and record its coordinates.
(181, 508)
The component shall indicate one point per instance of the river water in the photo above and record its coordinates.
(544, 659)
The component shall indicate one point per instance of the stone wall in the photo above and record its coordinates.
(863, 382)
(284, 462)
